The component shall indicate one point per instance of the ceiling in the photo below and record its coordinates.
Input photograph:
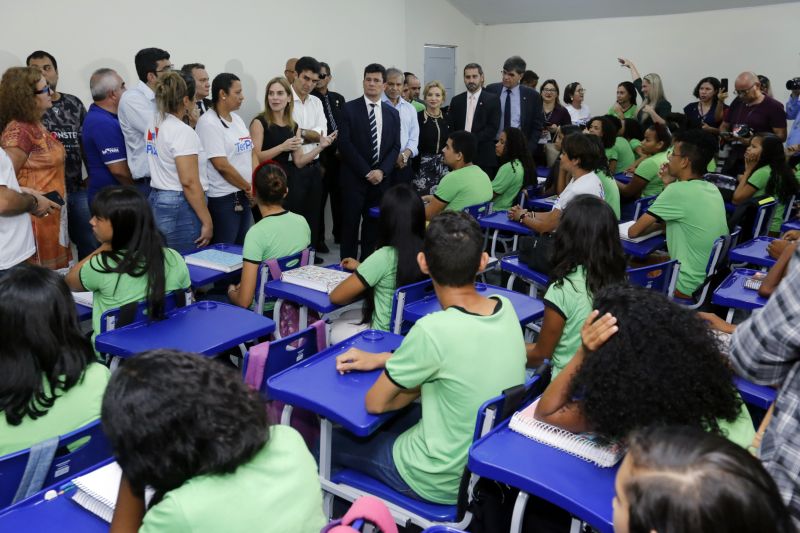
(513, 11)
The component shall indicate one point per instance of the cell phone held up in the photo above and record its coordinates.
(723, 85)
(54, 196)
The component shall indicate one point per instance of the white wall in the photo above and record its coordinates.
(681, 48)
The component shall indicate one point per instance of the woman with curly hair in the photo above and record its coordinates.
(189, 428)
(37, 156)
(684, 479)
(587, 256)
(517, 168)
(645, 361)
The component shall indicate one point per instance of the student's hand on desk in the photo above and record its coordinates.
(355, 359)
(776, 247)
(716, 323)
(515, 212)
(596, 331)
(791, 235)
(348, 263)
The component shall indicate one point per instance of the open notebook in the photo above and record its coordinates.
(587, 446)
(215, 259)
(315, 277)
(623, 232)
(97, 491)
(83, 298)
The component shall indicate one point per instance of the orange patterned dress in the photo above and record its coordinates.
(44, 172)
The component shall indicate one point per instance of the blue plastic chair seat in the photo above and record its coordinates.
(430, 511)
(512, 265)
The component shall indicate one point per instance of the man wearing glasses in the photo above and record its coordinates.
(751, 112)
(520, 106)
(136, 109)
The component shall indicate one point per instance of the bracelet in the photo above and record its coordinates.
(523, 215)
(35, 204)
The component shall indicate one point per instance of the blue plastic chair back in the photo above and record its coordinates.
(660, 278)
(110, 319)
(479, 210)
(641, 205)
(789, 208)
(271, 269)
(65, 464)
(404, 296)
(764, 214)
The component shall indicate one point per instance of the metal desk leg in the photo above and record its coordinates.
(519, 512)
(325, 439)
(510, 284)
(276, 315)
(286, 415)
(303, 318)
(729, 317)
(494, 242)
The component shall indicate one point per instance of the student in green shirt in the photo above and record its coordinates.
(766, 173)
(401, 230)
(189, 428)
(50, 384)
(691, 208)
(625, 156)
(645, 181)
(632, 132)
(517, 169)
(625, 106)
(466, 184)
(587, 256)
(453, 360)
(132, 263)
(603, 128)
(615, 382)
(606, 178)
(279, 232)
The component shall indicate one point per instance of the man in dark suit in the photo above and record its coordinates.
(202, 85)
(369, 142)
(477, 111)
(520, 106)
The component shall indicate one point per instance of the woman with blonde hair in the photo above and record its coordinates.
(177, 167)
(38, 158)
(655, 106)
(429, 167)
(276, 137)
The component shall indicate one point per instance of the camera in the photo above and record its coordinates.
(793, 84)
(742, 130)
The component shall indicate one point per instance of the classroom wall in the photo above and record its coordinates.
(682, 49)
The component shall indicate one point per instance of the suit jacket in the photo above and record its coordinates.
(485, 123)
(355, 142)
(531, 120)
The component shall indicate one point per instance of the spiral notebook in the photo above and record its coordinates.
(97, 491)
(315, 277)
(625, 226)
(215, 259)
(587, 446)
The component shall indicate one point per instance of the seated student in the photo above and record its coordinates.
(466, 184)
(632, 131)
(683, 479)
(625, 155)
(517, 169)
(691, 208)
(604, 129)
(454, 360)
(643, 361)
(277, 234)
(766, 173)
(131, 263)
(587, 256)
(190, 429)
(401, 230)
(606, 178)
(645, 181)
(556, 179)
(579, 157)
(50, 383)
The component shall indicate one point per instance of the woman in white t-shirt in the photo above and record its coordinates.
(573, 101)
(174, 151)
(579, 155)
(229, 148)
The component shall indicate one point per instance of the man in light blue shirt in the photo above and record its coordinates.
(520, 106)
(409, 126)
(793, 113)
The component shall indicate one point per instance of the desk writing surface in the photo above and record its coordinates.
(317, 300)
(644, 248)
(732, 292)
(760, 396)
(314, 384)
(203, 276)
(499, 221)
(753, 252)
(84, 312)
(57, 516)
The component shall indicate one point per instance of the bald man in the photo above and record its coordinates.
(289, 71)
(751, 112)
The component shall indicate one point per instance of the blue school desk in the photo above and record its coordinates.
(59, 514)
(541, 204)
(792, 224)
(201, 276)
(644, 248)
(497, 222)
(732, 294)
(84, 312)
(623, 178)
(528, 309)
(760, 396)
(575, 485)
(204, 327)
(753, 253)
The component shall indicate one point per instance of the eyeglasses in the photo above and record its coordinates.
(581, 91)
(549, 91)
(45, 90)
(323, 76)
(167, 68)
(673, 154)
(744, 91)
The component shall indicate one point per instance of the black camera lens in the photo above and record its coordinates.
(793, 84)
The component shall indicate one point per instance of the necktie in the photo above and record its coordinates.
(373, 128)
(201, 107)
(507, 110)
(470, 112)
(330, 112)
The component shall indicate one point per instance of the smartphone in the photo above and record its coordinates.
(723, 84)
(54, 196)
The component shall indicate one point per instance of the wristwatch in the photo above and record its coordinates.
(405, 157)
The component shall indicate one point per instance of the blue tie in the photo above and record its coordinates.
(373, 128)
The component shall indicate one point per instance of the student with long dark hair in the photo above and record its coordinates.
(587, 256)
(683, 479)
(602, 127)
(766, 173)
(606, 176)
(401, 230)
(193, 431)
(50, 384)
(517, 168)
(131, 263)
(633, 339)
(277, 234)
(653, 154)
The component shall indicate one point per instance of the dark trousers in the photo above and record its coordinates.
(230, 225)
(305, 196)
(403, 175)
(78, 215)
(357, 198)
(331, 187)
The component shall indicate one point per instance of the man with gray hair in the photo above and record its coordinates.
(520, 106)
(103, 141)
(409, 125)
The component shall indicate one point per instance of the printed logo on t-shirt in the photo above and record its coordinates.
(110, 150)
(150, 142)
(244, 144)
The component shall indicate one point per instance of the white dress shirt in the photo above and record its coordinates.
(409, 125)
(309, 115)
(137, 109)
(378, 118)
(472, 105)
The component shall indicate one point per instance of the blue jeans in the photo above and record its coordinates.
(80, 231)
(373, 455)
(230, 226)
(176, 219)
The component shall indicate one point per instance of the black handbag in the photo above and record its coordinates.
(536, 251)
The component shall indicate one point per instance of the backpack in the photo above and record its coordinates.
(365, 510)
